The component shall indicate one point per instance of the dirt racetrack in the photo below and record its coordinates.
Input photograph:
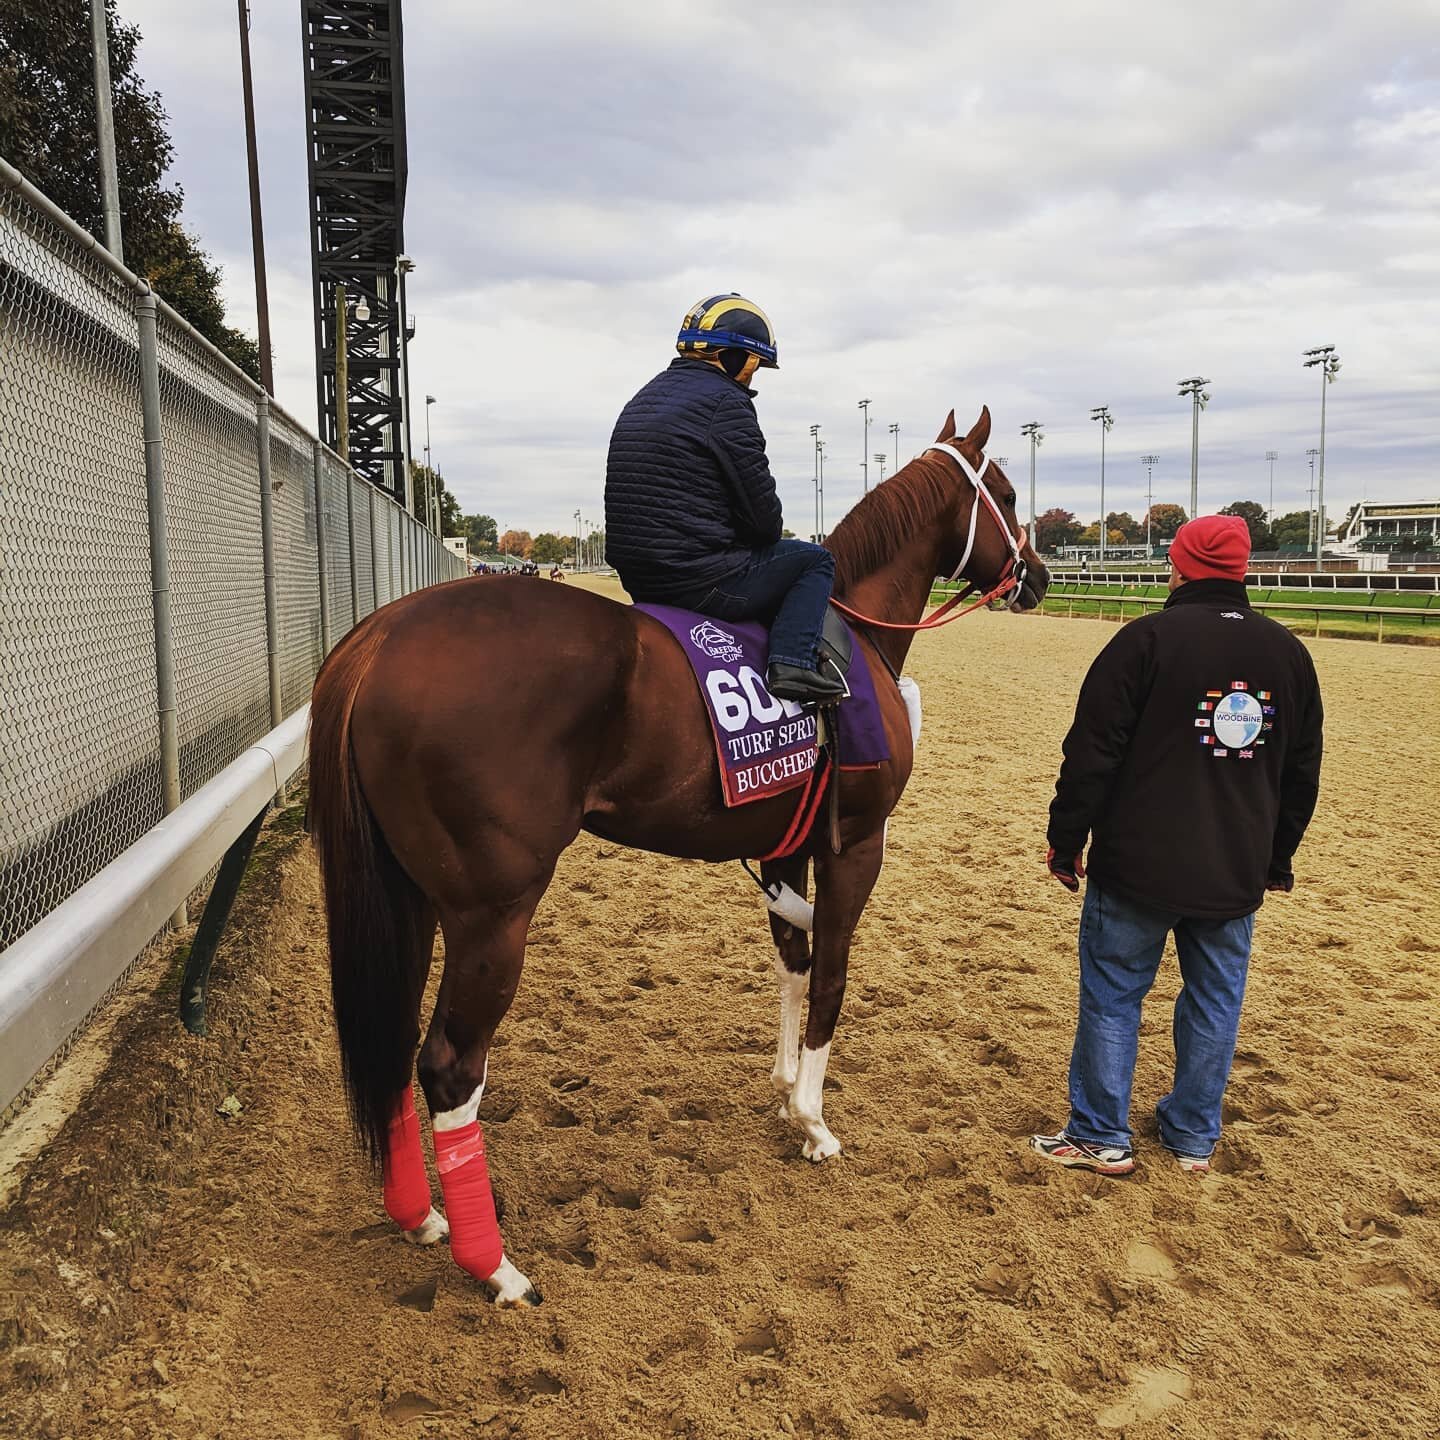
(169, 1272)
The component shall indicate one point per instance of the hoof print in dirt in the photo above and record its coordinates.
(419, 1297)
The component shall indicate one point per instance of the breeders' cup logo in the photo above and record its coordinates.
(1235, 719)
(718, 644)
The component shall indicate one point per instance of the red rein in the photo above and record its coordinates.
(942, 616)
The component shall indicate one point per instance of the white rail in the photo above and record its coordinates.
(55, 974)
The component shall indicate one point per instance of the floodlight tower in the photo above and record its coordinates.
(880, 458)
(1107, 421)
(1194, 387)
(1329, 362)
(864, 406)
(1149, 462)
(895, 431)
(1034, 431)
(1272, 456)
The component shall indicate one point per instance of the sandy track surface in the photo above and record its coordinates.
(165, 1271)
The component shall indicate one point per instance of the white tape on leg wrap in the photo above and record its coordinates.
(781, 900)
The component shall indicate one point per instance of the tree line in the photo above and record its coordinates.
(1058, 527)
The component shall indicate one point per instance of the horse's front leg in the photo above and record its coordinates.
(792, 972)
(842, 886)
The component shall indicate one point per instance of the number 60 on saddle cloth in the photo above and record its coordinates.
(766, 746)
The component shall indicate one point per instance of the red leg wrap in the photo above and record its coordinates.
(469, 1205)
(407, 1186)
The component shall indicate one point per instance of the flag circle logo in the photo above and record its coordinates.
(1238, 720)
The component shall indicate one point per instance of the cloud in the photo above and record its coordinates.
(1044, 208)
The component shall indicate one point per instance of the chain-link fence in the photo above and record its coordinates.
(134, 550)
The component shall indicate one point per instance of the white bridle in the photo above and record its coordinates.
(982, 492)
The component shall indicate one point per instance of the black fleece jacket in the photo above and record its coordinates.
(1194, 756)
(688, 490)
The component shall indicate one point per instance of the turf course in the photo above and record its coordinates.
(1308, 612)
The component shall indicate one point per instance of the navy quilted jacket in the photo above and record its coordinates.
(688, 491)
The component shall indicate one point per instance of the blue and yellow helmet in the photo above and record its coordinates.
(729, 322)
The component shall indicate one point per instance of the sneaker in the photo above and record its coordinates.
(1081, 1155)
(1192, 1164)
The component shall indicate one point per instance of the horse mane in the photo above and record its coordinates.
(887, 518)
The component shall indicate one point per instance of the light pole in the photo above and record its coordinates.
(895, 431)
(1272, 456)
(577, 542)
(1149, 462)
(429, 467)
(1329, 362)
(1195, 388)
(880, 458)
(1310, 503)
(1107, 421)
(815, 440)
(820, 537)
(1034, 431)
(864, 406)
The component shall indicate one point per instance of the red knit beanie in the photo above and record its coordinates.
(1214, 547)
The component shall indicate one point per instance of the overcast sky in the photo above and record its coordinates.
(1041, 207)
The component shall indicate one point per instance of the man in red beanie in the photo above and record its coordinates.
(1192, 766)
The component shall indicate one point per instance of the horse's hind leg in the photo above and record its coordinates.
(484, 952)
(406, 1180)
(792, 971)
(842, 886)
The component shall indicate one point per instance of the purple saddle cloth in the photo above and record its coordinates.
(766, 746)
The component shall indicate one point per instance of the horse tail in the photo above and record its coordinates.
(375, 914)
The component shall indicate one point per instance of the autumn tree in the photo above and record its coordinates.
(1055, 528)
(1123, 522)
(47, 131)
(517, 542)
(550, 549)
(1165, 520)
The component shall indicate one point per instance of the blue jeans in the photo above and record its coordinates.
(1120, 948)
(787, 585)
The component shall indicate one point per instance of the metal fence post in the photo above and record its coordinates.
(320, 550)
(166, 697)
(350, 521)
(267, 547)
(374, 554)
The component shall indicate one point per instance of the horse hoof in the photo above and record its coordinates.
(511, 1289)
(822, 1149)
(434, 1227)
(784, 1111)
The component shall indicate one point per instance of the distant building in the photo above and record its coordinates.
(1378, 525)
(459, 545)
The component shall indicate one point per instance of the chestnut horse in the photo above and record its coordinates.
(463, 736)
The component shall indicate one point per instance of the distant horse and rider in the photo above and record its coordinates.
(463, 736)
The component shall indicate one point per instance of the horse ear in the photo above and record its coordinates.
(947, 430)
(979, 435)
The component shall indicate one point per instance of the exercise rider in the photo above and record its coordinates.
(691, 514)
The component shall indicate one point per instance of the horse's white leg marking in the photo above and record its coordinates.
(463, 1114)
(792, 1004)
(511, 1288)
(432, 1228)
(807, 1104)
(508, 1284)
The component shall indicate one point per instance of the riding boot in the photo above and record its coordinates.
(792, 682)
